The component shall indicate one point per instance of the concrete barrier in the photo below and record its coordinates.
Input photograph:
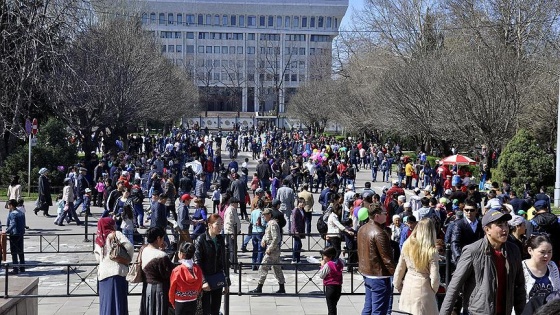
(20, 306)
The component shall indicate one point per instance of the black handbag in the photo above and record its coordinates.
(216, 281)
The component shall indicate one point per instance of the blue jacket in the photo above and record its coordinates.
(404, 235)
(16, 223)
(159, 215)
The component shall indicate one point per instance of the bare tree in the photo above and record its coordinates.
(34, 34)
(114, 77)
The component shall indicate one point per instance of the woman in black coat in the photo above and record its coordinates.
(45, 200)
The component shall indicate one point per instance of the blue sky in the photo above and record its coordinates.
(352, 5)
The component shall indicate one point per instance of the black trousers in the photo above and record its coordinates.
(185, 308)
(16, 249)
(212, 301)
(332, 294)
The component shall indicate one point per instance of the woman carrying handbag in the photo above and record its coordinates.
(113, 287)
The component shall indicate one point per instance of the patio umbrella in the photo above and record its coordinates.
(458, 159)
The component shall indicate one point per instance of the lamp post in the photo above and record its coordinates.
(557, 182)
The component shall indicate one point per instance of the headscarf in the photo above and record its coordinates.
(105, 226)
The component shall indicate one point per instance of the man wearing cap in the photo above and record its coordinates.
(308, 206)
(183, 217)
(466, 231)
(271, 239)
(545, 222)
(376, 262)
(489, 273)
(44, 201)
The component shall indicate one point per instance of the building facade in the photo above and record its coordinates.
(249, 55)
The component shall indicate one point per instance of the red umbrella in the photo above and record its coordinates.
(458, 159)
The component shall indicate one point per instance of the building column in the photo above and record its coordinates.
(244, 99)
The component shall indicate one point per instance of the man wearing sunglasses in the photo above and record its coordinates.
(466, 231)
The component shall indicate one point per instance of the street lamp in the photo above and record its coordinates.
(557, 183)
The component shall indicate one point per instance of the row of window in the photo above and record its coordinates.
(238, 64)
(269, 21)
(224, 76)
(250, 36)
(239, 50)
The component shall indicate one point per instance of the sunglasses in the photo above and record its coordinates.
(469, 209)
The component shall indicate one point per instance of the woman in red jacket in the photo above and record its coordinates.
(186, 282)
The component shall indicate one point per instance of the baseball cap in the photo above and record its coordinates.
(87, 190)
(428, 188)
(540, 204)
(259, 190)
(349, 186)
(43, 170)
(448, 192)
(367, 193)
(493, 216)
(516, 220)
(395, 181)
(186, 197)
(416, 190)
(267, 211)
(521, 212)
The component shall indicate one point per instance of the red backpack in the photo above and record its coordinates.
(209, 166)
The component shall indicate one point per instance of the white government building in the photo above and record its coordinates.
(250, 55)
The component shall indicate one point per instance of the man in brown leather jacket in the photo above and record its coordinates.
(376, 261)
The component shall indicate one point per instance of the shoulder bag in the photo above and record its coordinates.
(135, 270)
(117, 251)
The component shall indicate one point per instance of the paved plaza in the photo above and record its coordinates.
(47, 243)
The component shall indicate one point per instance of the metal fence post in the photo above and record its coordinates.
(6, 269)
(86, 239)
(447, 263)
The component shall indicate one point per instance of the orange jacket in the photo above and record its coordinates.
(185, 284)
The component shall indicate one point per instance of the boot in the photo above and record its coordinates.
(257, 290)
(281, 289)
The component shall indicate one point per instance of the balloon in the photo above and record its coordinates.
(362, 214)
(326, 155)
(315, 150)
(305, 154)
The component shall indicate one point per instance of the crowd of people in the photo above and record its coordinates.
(501, 244)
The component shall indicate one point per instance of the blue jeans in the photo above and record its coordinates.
(296, 252)
(385, 176)
(265, 184)
(374, 173)
(378, 296)
(258, 250)
(308, 216)
(139, 214)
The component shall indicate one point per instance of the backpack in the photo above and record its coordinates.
(322, 226)
(279, 216)
(136, 195)
(209, 167)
